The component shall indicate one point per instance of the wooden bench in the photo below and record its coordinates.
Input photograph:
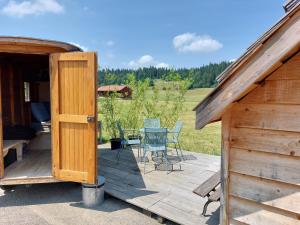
(14, 144)
(210, 190)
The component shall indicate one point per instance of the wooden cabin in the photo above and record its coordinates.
(123, 91)
(258, 101)
(48, 112)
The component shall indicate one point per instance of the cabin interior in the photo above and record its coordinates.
(26, 116)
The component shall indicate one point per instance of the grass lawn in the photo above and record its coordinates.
(207, 140)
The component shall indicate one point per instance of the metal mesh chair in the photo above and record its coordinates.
(155, 141)
(174, 137)
(152, 123)
(127, 142)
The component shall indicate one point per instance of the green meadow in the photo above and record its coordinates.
(206, 140)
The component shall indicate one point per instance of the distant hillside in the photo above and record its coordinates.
(202, 77)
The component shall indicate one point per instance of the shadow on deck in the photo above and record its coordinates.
(167, 194)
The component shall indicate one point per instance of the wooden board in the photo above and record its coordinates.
(225, 159)
(267, 116)
(206, 187)
(73, 98)
(280, 142)
(277, 194)
(252, 213)
(34, 46)
(265, 165)
(275, 92)
(288, 71)
(167, 194)
(34, 168)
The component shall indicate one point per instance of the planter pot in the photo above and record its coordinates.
(115, 143)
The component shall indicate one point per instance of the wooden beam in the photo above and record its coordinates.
(226, 126)
(29, 49)
(11, 94)
(276, 49)
(1, 129)
(22, 97)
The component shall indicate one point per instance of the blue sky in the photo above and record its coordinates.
(134, 33)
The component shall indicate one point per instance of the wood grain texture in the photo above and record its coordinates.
(12, 94)
(267, 116)
(277, 194)
(280, 142)
(275, 92)
(265, 165)
(27, 169)
(225, 159)
(206, 187)
(252, 213)
(1, 128)
(73, 95)
(27, 172)
(288, 71)
(169, 195)
(264, 149)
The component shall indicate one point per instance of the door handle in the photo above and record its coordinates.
(90, 119)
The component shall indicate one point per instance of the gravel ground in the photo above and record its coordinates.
(60, 204)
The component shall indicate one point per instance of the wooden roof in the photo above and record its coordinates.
(289, 4)
(264, 56)
(34, 46)
(108, 88)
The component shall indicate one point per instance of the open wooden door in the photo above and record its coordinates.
(74, 117)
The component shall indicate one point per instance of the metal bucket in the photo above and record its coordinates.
(93, 195)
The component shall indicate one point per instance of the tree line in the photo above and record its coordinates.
(200, 77)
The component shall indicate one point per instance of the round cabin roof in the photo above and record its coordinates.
(34, 46)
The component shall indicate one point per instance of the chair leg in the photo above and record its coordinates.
(180, 151)
(119, 152)
(205, 207)
(144, 159)
(176, 150)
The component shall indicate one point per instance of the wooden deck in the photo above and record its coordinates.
(167, 194)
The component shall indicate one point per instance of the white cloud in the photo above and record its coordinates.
(162, 65)
(110, 43)
(79, 46)
(147, 61)
(232, 60)
(191, 42)
(31, 7)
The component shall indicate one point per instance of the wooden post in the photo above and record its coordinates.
(226, 124)
(1, 130)
(11, 94)
(22, 97)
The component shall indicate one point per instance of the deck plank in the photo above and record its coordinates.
(167, 194)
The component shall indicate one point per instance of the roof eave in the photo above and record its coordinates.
(261, 59)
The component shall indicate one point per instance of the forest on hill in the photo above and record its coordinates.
(200, 77)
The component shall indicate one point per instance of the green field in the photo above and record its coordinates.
(207, 140)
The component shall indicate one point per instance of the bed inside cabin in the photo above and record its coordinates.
(26, 116)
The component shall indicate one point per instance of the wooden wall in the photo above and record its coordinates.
(13, 112)
(17, 68)
(261, 152)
